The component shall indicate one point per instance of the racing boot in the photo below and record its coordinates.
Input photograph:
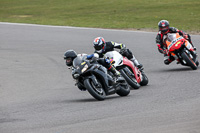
(193, 46)
(137, 64)
(168, 59)
(189, 39)
(116, 73)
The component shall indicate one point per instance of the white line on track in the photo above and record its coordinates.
(52, 26)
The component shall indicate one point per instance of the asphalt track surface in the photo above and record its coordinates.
(37, 92)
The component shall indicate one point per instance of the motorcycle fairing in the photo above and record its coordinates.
(104, 78)
(134, 69)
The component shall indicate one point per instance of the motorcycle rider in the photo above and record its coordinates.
(101, 47)
(164, 28)
(70, 55)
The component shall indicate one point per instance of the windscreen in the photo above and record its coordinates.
(171, 37)
(79, 59)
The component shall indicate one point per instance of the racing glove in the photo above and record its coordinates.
(185, 36)
(107, 60)
(165, 51)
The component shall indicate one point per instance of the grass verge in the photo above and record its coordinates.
(117, 14)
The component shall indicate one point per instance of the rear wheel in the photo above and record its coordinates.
(124, 89)
(189, 61)
(97, 92)
(130, 79)
(145, 80)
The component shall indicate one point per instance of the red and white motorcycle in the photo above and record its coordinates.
(134, 76)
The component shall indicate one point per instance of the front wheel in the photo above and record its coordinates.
(97, 92)
(189, 61)
(130, 79)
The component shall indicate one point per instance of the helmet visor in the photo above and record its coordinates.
(68, 61)
(164, 29)
(98, 47)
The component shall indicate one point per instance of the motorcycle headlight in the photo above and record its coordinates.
(84, 68)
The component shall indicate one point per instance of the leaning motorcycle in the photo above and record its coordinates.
(95, 78)
(181, 50)
(135, 77)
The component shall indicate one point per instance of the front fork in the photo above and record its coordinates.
(94, 80)
(137, 74)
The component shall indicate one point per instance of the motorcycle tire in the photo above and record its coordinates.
(145, 80)
(124, 89)
(97, 93)
(131, 81)
(189, 61)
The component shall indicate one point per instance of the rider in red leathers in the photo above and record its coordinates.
(161, 36)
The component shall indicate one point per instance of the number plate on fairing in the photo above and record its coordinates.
(174, 42)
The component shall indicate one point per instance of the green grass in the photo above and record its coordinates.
(120, 14)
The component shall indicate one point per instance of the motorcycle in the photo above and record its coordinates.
(134, 76)
(93, 77)
(181, 50)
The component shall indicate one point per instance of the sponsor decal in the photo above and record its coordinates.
(174, 41)
(83, 63)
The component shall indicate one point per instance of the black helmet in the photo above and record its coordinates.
(163, 26)
(69, 56)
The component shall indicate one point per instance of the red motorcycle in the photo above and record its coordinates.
(181, 50)
(134, 76)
